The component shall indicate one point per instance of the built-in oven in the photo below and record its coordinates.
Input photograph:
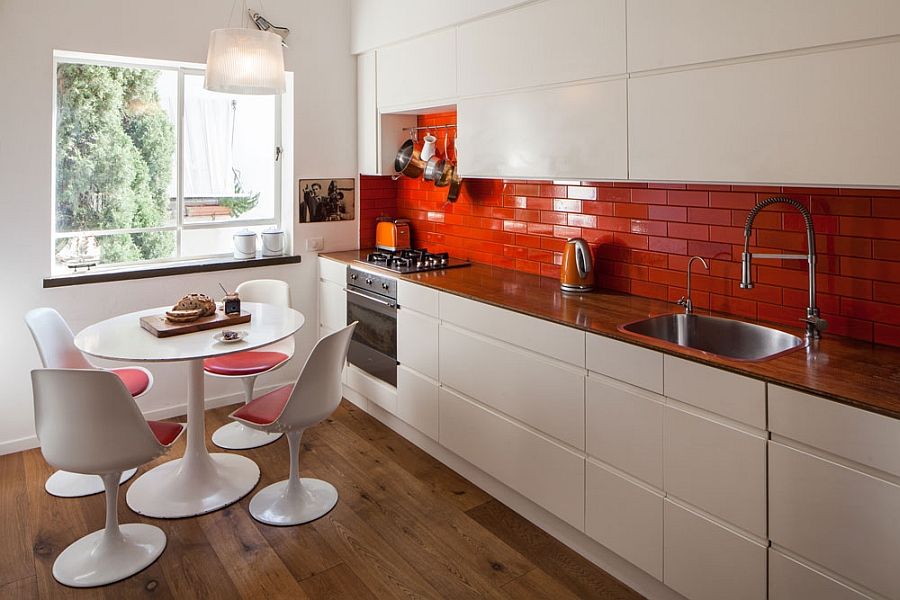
(372, 302)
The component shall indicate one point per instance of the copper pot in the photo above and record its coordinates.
(446, 175)
(455, 184)
(408, 160)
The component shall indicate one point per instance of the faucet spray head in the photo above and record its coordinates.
(746, 277)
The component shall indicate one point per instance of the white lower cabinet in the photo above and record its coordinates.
(625, 517)
(792, 580)
(541, 470)
(332, 307)
(835, 516)
(705, 561)
(417, 342)
(417, 401)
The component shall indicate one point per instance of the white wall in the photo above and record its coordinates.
(324, 126)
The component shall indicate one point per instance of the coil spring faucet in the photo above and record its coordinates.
(815, 325)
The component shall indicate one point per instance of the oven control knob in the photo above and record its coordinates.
(353, 277)
(385, 286)
(368, 281)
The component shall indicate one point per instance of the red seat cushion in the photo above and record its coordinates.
(165, 432)
(265, 409)
(136, 380)
(244, 363)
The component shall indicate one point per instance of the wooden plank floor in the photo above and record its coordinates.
(405, 527)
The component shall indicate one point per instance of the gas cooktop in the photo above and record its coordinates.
(413, 261)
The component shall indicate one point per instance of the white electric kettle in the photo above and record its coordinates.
(244, 244)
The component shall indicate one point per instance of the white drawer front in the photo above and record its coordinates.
(537, 468)
(417, 342)
(372, 389)
(332, 306)
(734, 396)
(418, 297)
(558, 341)
(861, 436)
(837, 517)
(625, 362)
(525, 386)
(417, 401)
(333, 271)
(705, 561)
(624, 517)
(624, 428)
(790, 580)
(716, 468)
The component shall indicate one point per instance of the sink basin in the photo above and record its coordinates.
(726, 338)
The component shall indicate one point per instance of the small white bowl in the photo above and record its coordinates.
(220, 337)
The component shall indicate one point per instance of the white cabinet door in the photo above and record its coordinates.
(836, 517)
(705, 561)
(333, 271)
(417, 342)
(666, 34)
(827, 119)
(332, 307)
(624, 428)
(418, 297)
(417, 401)
(625, 517)
(418, 72)
(571, 132)
(718, 469)
(790, 580)
(625, 362)
(542, 43)
(366, 115)
(539, 469)
(525, 386)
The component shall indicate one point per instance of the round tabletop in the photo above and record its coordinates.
(123, 338)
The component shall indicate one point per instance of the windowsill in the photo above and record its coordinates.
(204, 265)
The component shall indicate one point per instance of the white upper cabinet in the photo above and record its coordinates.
(418, 73)
(571, 132)
(829, 118)
(542, 43)
(666, 34)
(366, 115)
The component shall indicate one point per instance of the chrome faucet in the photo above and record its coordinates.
(815, 325)
(686, 299)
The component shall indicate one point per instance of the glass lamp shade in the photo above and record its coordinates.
(244, 61)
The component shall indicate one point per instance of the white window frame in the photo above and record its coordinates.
(182, 69)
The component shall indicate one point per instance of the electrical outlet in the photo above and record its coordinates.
(315, 244)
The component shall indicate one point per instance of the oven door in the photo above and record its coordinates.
(373, 347)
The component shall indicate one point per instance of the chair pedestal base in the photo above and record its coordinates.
(65, 484)
(99, 559)
(236, 436)
(283, 504)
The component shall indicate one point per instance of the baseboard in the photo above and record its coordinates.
(167, 412)
(635, 578)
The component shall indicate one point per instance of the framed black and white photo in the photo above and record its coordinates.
(327, 200)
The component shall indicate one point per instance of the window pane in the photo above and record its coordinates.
(110, 249)
(229, 155)
(115, 155)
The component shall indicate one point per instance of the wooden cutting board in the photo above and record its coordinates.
(160, 327)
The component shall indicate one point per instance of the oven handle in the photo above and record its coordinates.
(367, 297)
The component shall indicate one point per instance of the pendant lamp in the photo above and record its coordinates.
(244, 61)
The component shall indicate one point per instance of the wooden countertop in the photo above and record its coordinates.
(848, 371)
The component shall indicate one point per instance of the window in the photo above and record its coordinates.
(151, 167)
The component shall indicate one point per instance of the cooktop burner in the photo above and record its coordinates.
(413, 261)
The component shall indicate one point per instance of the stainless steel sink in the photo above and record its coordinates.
(726, 338)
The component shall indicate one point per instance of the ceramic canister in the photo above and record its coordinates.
(244, 244)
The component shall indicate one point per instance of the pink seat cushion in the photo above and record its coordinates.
(136, 380)
(165, 432)
(244, 363)
(265, 409)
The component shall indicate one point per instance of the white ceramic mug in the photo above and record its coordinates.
(428, 147)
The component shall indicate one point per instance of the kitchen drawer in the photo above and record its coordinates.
(418, 297)
(717, 468)
(861, 436)
(332, 306)
(837, 517)
(417, 342)
(734, 396)
(333, 271)
(624, 428)
(417, 401)
(791, 580)
(406, 73)
(624, 517)
(523, 385)
(706, 561)
(536, 467)
(625, 362)
(538, 335)
(372, 389)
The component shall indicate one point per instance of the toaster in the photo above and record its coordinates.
(392, 235)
